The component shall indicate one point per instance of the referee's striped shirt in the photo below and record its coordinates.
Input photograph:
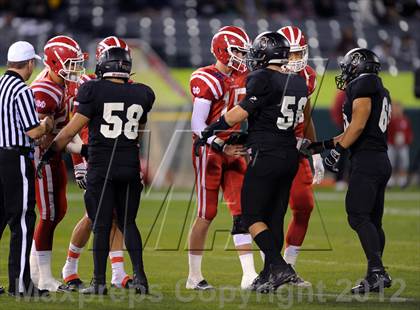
(17, 111)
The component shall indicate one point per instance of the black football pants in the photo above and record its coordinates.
(369, 175)
(266, 189)
(120, 196)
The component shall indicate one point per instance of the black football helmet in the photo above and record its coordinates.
(268, 48)
(114, 63)
(356, 62)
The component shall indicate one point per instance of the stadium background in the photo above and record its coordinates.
(169, 38)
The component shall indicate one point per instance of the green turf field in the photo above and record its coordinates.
(401, 87)
(332, 260)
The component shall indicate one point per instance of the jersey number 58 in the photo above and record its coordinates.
(114, 128)
(292, 114)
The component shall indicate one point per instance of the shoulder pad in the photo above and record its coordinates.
(47, 96)
(365, 85)
(258, 82)
(206, 83)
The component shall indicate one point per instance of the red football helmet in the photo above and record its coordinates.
(64, 56)
(298, 44)
(110, 42)
(225, 42)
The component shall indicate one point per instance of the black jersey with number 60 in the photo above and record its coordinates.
(374, 135)
(275, 102)
(115, 112)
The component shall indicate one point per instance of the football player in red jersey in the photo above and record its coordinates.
(215, 90)
(301, 195)
(63, 61)
(83, 228)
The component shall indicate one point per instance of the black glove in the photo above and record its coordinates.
(309, 148)
(198, 143)
(45, 158)
(237, 138)
(330, 162)
(220, 125)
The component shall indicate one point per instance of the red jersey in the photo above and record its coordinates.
(309, 75)
(399, 131)
(222, 90)
(50, 99)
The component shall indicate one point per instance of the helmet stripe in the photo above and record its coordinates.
(292, 35)
(52, 44)
(299, 35)
(232, 34)
(117, 41)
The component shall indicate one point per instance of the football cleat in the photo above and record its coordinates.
(95, 288)
(140, 284)
(1, 290)
(32, 292)
(300, 282)
(279, 275)
(75, 284)
(52, 285)
(203, 285)
(261, 279)
(247, 281)
(374, 281)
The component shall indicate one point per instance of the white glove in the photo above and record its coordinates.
(80, 172)
(319, 168)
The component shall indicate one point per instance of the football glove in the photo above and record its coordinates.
(237, 138)
(318, 169)
(333, 157)
(309, 148)
(45, 158)
(80, 172)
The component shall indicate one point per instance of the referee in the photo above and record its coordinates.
(19, 124)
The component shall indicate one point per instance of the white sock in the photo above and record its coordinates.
(44, 263)
(33, 263)
(194, 262)
(247, 263)
(117, 263)
(72, 261)
(291, 254)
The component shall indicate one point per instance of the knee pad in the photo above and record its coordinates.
(238, 226)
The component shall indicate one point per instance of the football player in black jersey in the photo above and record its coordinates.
(366, 114)
(271, 106)
(116, 112)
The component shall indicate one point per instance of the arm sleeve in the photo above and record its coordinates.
(150, 99)
(257, 89)
(201, 110)
(26, 109)
(85, 99)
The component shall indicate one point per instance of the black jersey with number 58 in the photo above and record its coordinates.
(374, 135)
(275, 102)
(115, 112)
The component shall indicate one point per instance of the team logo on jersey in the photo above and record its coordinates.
(40, 104)
(196, 90)
(253, 99)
